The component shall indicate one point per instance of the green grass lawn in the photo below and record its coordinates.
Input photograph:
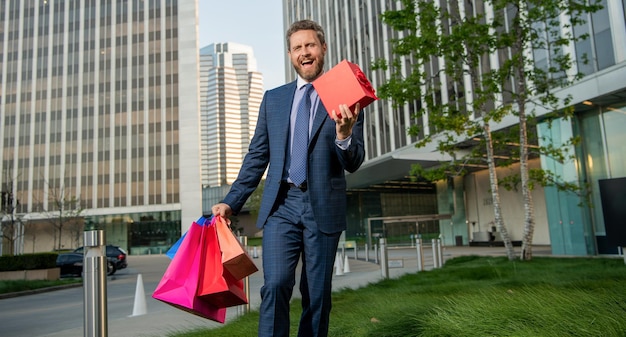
(477, 296)
(22, 285)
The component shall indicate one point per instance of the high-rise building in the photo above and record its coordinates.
(231, 94)
(99, 107)
(382, 200)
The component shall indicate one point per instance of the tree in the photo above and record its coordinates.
(8, 219)
(254, 201)
(473, 64)
(64, 211)
(11, 227)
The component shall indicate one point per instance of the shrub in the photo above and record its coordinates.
(28, 261)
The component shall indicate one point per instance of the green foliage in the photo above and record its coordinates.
(28, 261)
(254, 201)
(477, 296)
(14, 286)
(430, 33)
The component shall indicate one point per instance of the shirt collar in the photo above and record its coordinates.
(300, 81)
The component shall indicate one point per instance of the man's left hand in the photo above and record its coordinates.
(347, 120)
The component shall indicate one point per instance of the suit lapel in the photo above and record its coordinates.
(320, 118)
(280, 128)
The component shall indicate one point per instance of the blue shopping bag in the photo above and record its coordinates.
(172, 251)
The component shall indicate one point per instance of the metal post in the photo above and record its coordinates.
(435, 258)
(95, 284)
(384, 266)
(420, 254)
(439, 253)
(245, 308)
(376, 254)
(367, 253)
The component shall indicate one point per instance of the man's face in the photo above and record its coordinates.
(307, 54)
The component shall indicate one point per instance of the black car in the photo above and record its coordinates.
(72, 263)
(115, 254)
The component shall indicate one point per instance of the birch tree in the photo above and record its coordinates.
(472, 64)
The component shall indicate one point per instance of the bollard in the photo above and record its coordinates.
(367, 254)
(376, 254)
(95, 284)
(384, 266)
(439, 253)
(435, 258)
(420, 254)
(245, 308)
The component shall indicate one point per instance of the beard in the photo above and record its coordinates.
(310, 74)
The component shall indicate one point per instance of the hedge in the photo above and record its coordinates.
(28, 261)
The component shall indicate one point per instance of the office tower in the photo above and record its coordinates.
(100, 113)
(355, 32)
(231, 93)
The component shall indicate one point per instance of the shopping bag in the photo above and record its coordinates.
(174, 248)
(172, 251)
(179, 284)
(234, 257)
(217, 285)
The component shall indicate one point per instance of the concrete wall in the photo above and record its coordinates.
(479, 206)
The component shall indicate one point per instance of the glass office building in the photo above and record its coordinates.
(380, 189)
(231, 94)
(99, 107)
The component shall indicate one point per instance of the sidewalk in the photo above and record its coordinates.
(166, 320)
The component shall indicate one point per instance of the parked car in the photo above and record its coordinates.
(115, 254)
(72, 263)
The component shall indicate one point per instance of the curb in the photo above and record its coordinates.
(39, 291)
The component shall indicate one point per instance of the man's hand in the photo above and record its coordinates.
(222, 210)
(346, 122)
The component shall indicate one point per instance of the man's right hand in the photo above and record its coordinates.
(222, 210)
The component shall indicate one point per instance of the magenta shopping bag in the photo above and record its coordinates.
(180, 284)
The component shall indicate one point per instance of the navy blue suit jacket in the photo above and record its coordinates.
(327, 162)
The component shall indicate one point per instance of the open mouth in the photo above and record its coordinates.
(306, 63)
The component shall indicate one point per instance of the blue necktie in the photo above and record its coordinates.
(300, 145)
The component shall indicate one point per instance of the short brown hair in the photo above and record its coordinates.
(305, 25)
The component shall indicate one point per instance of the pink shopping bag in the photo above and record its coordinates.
(180, 284)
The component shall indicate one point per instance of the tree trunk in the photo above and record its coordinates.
(529, 214)
(495, 194)
(522, 93)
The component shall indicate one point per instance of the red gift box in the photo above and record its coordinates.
(346, 84)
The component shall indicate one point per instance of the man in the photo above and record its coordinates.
(299, 218)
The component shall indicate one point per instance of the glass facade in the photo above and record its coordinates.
(356, 32)
(140, 233)
(603, 154)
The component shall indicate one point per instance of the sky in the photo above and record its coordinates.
(254, 23)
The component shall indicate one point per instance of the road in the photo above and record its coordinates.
(60, 312)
